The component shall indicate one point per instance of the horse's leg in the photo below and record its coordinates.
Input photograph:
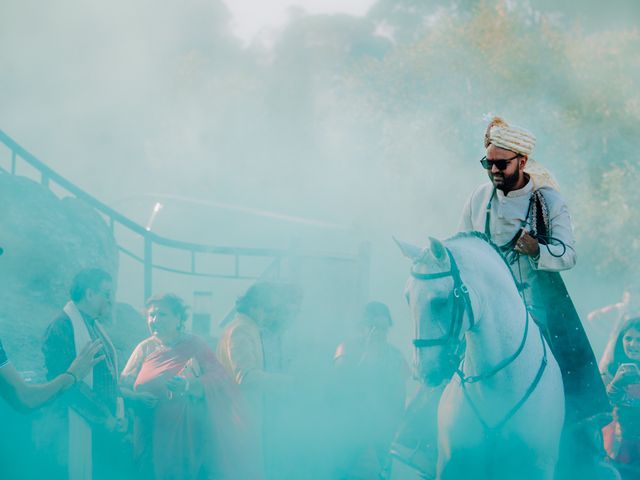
(541, 470)
(527, 452)
(543, 466)
(462, 464)
(461, 446)
(514, 457)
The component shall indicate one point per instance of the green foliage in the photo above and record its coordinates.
(610, 221)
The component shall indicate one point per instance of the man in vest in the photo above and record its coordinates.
(92, 406)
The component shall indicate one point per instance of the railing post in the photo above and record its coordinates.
(364, 263)
(148, 267)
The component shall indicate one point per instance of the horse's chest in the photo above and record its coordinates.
(467, 418)
(456, 420)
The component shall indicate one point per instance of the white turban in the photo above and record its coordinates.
(509, 137)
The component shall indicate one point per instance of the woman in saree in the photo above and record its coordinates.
(621, 374)
(187, 422)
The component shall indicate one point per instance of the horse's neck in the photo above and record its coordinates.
(499, 312)
(497, 336)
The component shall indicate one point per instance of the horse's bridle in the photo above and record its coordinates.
(461, 303)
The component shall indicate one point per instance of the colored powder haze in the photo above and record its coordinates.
(325, 125)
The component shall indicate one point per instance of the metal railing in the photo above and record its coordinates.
(49, 177)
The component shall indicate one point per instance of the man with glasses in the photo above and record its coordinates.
(91, 408)
(522, 212)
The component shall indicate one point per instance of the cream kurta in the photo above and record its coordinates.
(241, 353)
(508, 213)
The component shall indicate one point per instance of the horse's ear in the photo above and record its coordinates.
(410, 251)
(437, 249)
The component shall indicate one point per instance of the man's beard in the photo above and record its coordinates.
(504, 182)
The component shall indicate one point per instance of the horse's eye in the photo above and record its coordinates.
(438, 304)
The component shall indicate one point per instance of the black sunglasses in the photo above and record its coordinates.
(500, 164)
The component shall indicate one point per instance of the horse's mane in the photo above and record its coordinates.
(485, 238)
(482, 237)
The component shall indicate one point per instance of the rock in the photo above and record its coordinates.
(46, 241)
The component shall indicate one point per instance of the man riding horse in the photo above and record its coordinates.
(522, 211)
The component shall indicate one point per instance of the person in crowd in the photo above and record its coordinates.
(370, 393)
(26, 396)
(262, 313)
(619, 311)
(605, 321)
(621, 373)
(91, 413)
(187, 410)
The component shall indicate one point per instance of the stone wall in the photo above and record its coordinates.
(46, 241)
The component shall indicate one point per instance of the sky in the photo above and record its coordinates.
(255, 17)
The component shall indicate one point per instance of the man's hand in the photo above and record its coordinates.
(86, 360)
(113, 424)
(178, 385)
(527, 245)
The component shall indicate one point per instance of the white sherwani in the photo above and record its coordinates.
(508, 213)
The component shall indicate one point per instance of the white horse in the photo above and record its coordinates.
(501, 414)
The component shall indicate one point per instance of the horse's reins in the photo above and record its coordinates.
(508, 248)
(462, 303)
